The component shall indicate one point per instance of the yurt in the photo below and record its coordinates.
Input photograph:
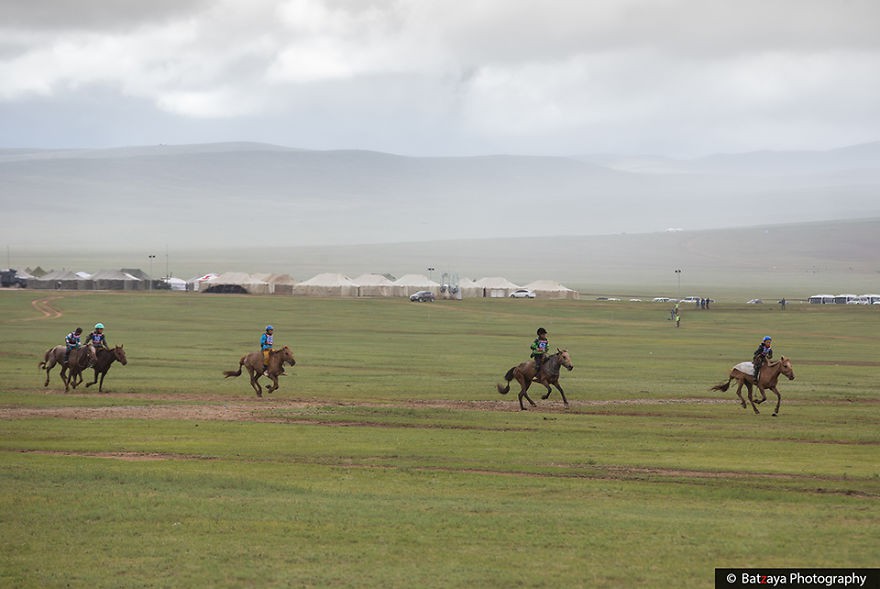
(56, 279)
(279, 284)
(496, 286)
(413, 283)
(376, 285)
(116, 280)
(235, 283)
(550, 289)
(326, 285)
(195, 284)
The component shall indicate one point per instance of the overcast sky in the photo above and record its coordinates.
(443, 77)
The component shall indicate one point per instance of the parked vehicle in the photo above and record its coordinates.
(423, 296)
(755, 302)
(522, 293)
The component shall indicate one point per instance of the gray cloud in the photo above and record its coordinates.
(681, 77)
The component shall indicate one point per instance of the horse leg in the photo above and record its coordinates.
(524, 393)
(778, 401)
(561, 392)
(274, 385)
(88, 384)
(101, 384)
(549, 390)
(739, 393)
(751, 400)
(255, 376)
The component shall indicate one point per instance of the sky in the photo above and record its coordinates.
(680, 78)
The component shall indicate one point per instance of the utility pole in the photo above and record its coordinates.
(678, 273)
(152, 257)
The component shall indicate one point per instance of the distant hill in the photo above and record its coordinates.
(247, 194)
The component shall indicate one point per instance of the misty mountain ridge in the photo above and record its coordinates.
(245, 194)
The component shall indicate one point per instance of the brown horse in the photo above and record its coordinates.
(55, 355)
(79, 360)
(254, 364)
(524, 373)
(744, 373)
(102, 364)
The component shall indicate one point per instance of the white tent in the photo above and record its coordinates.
(469, 289)
(496, 286)
(279, 284)
(327, 285)
(412, 283)
(236, 283)
(175, 283)
(550, 289)
(376, 285)
(116, 280)
(195, 284)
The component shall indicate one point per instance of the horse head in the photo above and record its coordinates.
(564, 358)
(785, 367)
(286, 356)
(120, 355)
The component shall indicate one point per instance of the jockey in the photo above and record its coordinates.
(72, 342)
(762, 354)
(539, 349)
(266, 342)
(97, 337)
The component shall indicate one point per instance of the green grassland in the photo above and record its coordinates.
(388, 459)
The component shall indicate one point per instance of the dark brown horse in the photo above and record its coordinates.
(254, 364)
(102, 364)
(55, 355)
(524, 373)
(744, 374)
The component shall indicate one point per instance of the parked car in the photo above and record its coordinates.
(522, 293)
(755, 302)
(423, 296)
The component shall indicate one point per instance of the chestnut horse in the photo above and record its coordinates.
(55, 355)
(102, 364)
(744, 373)
(524, 373)
(254, 364)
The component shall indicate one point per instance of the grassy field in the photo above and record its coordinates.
(388, 459)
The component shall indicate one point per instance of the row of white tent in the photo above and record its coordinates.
(845, 299)
(368, 285)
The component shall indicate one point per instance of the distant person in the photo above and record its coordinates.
(782, 303)
(677, 318)
(539, 348)
(762, 354)
(267, 340)
(97, 338)
(72, 342)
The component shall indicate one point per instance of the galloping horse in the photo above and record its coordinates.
(55, 355)
(254, 364)
(549, 375)
(102, 364)
(744, 373)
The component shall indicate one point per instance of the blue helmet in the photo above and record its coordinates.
(269, 327)
(99, 326)
(767, 338)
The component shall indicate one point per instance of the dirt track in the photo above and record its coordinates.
(211, 408)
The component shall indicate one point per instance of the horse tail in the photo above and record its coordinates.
(228, 373)
(722, 386)
(45, 361)
(508, 377)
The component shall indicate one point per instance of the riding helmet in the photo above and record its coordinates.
(269, 327)
(767, 338)
(541, 331)
(99, 326)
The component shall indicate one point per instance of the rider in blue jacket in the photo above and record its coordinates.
(266, 342)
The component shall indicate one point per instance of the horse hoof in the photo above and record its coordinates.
(775, 414)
